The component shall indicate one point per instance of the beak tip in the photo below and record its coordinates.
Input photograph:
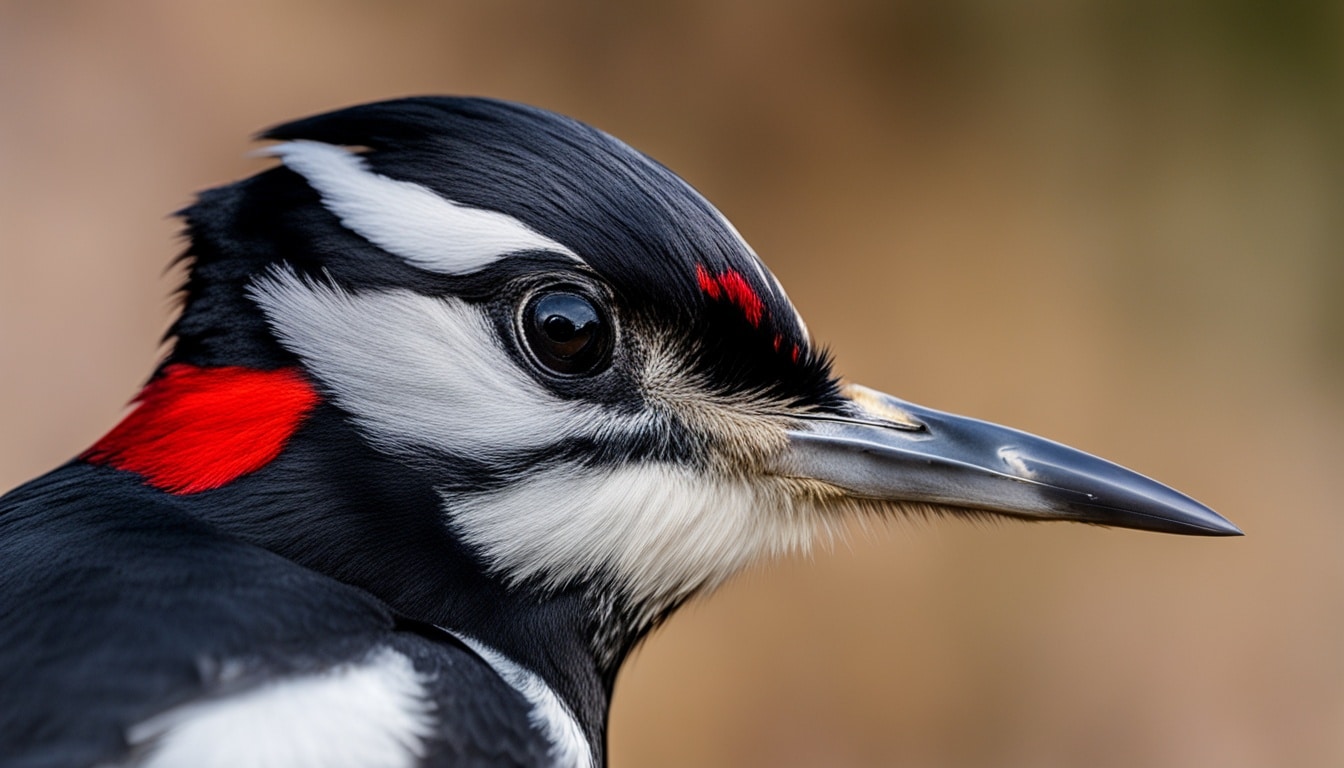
(1194, 520)
(1224, 527)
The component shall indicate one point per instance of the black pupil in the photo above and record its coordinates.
(566, 332)
(559, 328)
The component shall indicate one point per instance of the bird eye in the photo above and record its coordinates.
(567, 333)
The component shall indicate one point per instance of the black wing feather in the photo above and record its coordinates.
(115, 606)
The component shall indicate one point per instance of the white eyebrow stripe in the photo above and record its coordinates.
(406, 219)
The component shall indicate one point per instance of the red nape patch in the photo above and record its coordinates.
(194, 429)
(732, 286)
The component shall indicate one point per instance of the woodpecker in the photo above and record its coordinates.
(464, 398)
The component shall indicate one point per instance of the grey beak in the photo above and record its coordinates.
(888, 449)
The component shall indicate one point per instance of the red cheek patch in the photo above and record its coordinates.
(195, 429)
(733, 287)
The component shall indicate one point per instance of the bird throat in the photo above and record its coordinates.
(195, 429)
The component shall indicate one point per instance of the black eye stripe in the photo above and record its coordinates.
(567, 333)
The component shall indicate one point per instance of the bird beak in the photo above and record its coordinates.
(883, 448)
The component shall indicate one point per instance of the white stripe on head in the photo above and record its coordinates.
(372, 714)
(406, 219)
(419, 372)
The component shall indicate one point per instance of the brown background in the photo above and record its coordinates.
(1120, 225)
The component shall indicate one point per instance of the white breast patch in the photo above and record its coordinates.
(370, 714)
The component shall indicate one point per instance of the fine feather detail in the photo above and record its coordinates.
(731, 286)
(659, 532)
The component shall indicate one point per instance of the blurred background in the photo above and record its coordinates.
(1119, 225)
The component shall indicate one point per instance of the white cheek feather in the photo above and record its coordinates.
(415, 371)
(660, 530)
(406, 219)
(369, 715)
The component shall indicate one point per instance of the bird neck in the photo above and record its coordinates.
(332, 503)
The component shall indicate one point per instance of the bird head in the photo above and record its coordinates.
(597, 381)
